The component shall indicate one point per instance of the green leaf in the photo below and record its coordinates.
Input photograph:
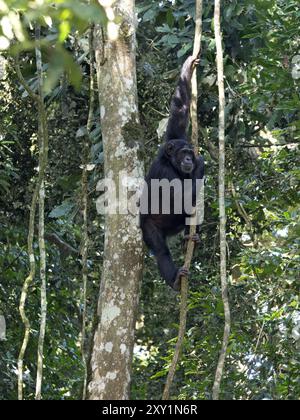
(149, 15)
(184, 50)
(170, 18)
(63, 210)
(64, 30)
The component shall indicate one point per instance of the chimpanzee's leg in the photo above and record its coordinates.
(156, 241)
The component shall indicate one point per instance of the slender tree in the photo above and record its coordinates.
(85, 206)
(43, 147)
(222, 208)
(38, 196)
(123, 257)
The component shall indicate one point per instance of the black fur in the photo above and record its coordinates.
(175, 161)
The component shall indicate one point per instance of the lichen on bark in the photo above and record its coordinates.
(123, 262)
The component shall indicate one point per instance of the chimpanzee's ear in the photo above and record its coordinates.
(170, 147)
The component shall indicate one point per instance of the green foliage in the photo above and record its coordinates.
(262, 114)
(261, 39)
(61, 20)
(61, 211)
(67, 112)
(6, 167)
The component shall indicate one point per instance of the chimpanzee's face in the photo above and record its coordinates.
(181, 155)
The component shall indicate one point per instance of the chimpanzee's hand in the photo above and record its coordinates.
(195, 238)
(182, 272)
(188, 67)
(195, 60)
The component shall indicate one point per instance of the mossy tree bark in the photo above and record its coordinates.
(123, 256)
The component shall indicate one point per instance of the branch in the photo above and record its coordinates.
(84, 190)
(211, 148)
(23, 82)
(223, 244)
(261, 146)
(61, 244)
(242, 212)
(43, 160)
(191, 244)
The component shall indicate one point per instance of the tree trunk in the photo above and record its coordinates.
(123, 256)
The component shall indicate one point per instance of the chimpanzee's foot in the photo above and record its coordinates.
(182, 272)
(196, 61)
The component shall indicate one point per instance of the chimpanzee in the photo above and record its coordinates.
(176, 160)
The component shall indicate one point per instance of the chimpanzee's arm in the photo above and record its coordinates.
(180, 105)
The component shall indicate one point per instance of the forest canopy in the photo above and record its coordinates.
(52, 144)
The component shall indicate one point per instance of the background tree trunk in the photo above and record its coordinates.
(114, 337)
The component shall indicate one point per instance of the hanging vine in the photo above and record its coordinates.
(223, 244)
(43, 147)
(38, 196)
(191, 244)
